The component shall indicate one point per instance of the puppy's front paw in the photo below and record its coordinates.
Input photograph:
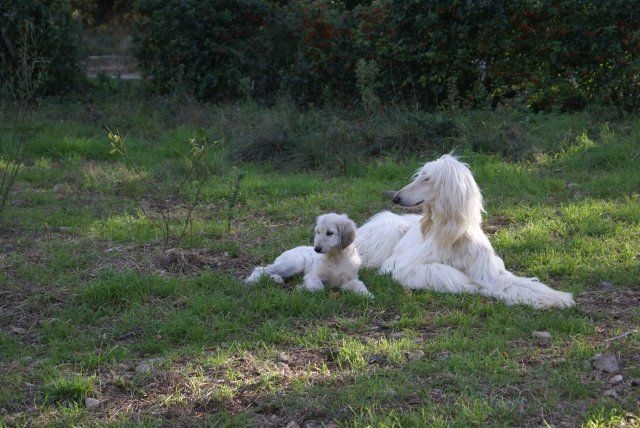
(364, 293)
(311, 287)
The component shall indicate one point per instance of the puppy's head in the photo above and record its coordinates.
(333, 233)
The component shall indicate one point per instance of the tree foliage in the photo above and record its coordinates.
(547, 54)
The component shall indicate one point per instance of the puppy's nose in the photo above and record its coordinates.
(396, 199)
(317, 249)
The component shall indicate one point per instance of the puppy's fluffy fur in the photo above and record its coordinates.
(333, 260)
(445, 249)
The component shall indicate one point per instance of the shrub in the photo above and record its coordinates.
(210, 46)
(323, 52)
(545, 54)
(43, 36)
(325, 141)
(559, 54)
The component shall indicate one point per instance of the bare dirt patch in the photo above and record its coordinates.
(189, 262)
(496, 223)
(607, 300)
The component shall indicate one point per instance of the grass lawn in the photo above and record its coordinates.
(89, 308)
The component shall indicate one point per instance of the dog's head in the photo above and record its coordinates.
(333, 233)
(448, 193)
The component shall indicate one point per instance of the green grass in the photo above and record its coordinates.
(81, 275)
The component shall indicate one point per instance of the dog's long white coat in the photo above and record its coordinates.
(452, 254)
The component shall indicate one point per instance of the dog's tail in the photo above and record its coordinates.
(376, 238)
(258, 272)
(517, 290)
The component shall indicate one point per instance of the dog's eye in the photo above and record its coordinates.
(329, 233)
(424, 180)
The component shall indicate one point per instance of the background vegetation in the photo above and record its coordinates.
(545, 55)
(138, 206)
(40, 35)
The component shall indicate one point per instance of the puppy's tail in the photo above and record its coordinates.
(255, 275)
(259, 272)
(517, 290)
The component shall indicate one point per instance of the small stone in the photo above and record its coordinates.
(293, 424)
(59, 188)
(610, 393)
(283, 367)
(543, 335)
(606, 362)
(392, 392)
(616, 379)
(19, 203)
(396, 318)
(380, 360)
(416, 355)
(606, 284)
(396, 335)
(148, 365)
(419, 339)
(91, 403)
(312, 424)
(558, 361)
(18, 330)
(281, 357)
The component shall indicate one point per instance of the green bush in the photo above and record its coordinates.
(212, 47)
(40, 39)
(323, 140)
(545, 54)
(558, 54)
(322, 47)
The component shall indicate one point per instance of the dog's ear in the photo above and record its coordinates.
(457, 203)
(313, 230)
(346, 231)
(426, 222)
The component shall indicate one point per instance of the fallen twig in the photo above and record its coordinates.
(622, 336)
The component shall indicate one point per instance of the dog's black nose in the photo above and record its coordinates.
(396, 199)
(317, 249)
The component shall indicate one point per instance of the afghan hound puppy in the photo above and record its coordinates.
(444, 249)
(333, 260)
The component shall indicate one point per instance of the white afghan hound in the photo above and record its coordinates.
(444, 249)
(333, 260)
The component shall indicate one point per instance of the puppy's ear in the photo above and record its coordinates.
(347, 231)
(313, 230)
